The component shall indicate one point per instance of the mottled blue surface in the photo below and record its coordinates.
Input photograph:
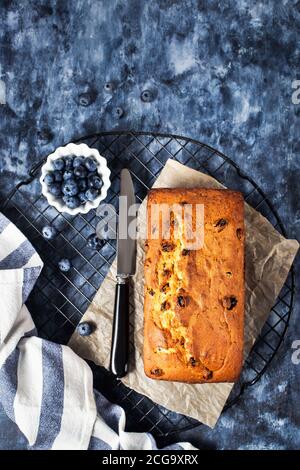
(220, 71)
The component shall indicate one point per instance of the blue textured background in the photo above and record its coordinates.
(221, 71)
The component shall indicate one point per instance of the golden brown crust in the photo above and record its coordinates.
(194, 299)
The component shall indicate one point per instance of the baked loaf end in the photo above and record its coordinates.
(194, 299)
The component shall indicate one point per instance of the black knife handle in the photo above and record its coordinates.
(120, 333)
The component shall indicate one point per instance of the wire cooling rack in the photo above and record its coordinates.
(59, 300)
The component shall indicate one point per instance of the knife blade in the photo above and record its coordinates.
(126, 245)
(126, 263)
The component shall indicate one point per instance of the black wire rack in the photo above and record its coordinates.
(59, 300)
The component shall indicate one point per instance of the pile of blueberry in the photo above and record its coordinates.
(75, 180)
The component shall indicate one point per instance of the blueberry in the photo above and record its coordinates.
(82, 184)
(94, 242)
(70, 188)
(118, 112)
(93, 173)
(147, 96)
(69, 162)
(82, 197)
(91, 194)
(58, 176)
(95, 182)
(86, 99)
(49, 232)
(78, 161)
(64, 265)
(45, 135)
(80, 172)
(68, 174)
(103, 232)
(90, 164)
(109, 86)
(59, 164)
(55, 189)
(71, 201)
(49, 178)
(85, 328)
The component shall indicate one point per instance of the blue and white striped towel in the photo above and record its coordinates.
(45, 387)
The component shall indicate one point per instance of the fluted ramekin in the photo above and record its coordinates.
(77, 150)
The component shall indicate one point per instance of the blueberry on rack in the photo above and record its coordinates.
(64, 265)
(49, 232)
(104, 232)
(94, 242)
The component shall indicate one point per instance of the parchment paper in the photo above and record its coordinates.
(268, 260)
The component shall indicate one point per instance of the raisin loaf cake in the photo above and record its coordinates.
(194, 298)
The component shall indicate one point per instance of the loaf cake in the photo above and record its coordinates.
(194, 297)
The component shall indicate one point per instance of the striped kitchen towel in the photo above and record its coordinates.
(45, 387)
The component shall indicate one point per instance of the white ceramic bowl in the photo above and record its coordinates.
(77, 150)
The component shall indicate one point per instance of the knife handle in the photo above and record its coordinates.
(120, 332)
